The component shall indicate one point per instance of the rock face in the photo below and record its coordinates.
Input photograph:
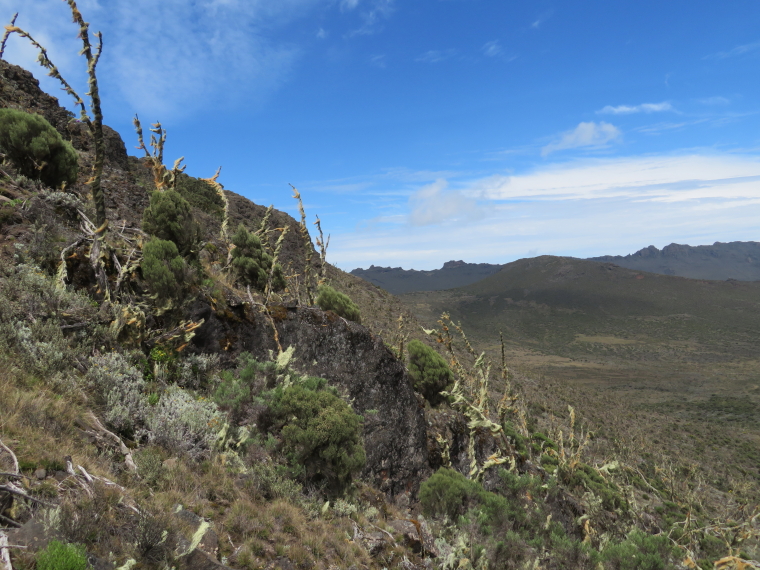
(738, 260)
(354, 360)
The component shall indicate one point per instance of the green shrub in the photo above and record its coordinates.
(169, 217)
(429, 372)
(36, 148)
(321, 434)
(640, 551)
(331, 300)
(252, 264)
(163, 269)
(200, 194)
(448, 493)
(60, 556)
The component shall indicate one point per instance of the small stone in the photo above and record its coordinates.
(40, 474)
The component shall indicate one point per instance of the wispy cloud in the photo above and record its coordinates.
(167, 58)
(379, 61)
(435, 56)
(580, 208)
(669, 179)
(588, 134)
(541, 19)
(716, 100)
(373, 16)
(434, 204)
(737, 51)
(631, 109)
(492, 48)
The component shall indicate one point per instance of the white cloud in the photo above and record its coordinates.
(349, 4)
(322, 33)
(738, 50)
(582, 208)
(167, 58)
(589, 134)
(630, 109)
(661, 179)
(492, 48)
(434, 204)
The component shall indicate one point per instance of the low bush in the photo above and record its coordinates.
(640, 551)
(182, 423)
(169, 217)
(60, 556)
(252, 264)
(331, 300)
(321, 434)
(163, 269)
(120, 386)
(428, 371)
(448, 493)
(36, 149)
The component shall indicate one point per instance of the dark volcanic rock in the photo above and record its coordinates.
(350, 358)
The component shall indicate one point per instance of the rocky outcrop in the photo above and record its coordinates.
(351, 358)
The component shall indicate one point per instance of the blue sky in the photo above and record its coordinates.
(432, 130)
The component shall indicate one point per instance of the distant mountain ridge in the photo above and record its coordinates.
(738, 260)
(453, 274)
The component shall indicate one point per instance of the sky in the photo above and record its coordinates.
(429, 130)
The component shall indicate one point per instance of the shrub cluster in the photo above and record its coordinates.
(317, 431)
(252, 264)
(331, 300)
(509, 525)
(163, 269)
(428, 371)
(321, 434)
(32, 310)
(169, 217)
(36, 148)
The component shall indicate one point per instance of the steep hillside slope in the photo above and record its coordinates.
(175, 395)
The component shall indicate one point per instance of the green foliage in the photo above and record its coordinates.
(252, 264)
(331, 300)
(36, 148)
(200, 194)
(60, 556)
(640, 551)
(429, 372)
(448, 493)
(321, 434)
(586, 477)
(163, 268)
(169, 217)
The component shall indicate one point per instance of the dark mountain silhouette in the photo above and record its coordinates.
(453, 274)
(738, 260)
